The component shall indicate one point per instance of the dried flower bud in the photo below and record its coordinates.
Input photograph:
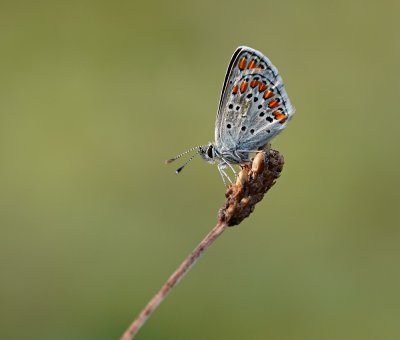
(258, 164)
(242, 177)
(251, 186)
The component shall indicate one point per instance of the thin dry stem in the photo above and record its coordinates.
(173, 280)
(253, 181)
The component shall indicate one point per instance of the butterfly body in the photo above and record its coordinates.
(254, 107)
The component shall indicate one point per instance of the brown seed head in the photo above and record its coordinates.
(252, 184)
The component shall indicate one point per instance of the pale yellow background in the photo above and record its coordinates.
(95, 95)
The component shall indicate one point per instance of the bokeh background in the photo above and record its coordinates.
(95, 95)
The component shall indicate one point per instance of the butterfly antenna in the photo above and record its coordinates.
(180, 155)
(186, 163)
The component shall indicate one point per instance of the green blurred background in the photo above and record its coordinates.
(96, 95)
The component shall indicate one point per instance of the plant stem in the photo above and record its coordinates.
(252, 183)
(186, 265)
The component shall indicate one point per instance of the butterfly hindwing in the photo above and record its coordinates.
(254, 105)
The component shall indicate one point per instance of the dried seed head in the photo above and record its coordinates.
(244, 201)
(251, 186)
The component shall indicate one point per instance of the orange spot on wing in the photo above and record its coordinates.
(268, 94)
(273, 103)
(252, 64)
(262, 87)
(279, 116)
(242, 64)
(254, 83)
(243, 87)
(235, 89)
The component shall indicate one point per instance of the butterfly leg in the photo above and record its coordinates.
(231, 167)
(233, 170)
(223, 174)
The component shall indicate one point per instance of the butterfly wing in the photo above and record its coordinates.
(254, 105)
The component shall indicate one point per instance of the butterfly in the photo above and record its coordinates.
(254, 107)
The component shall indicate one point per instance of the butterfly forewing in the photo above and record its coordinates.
(254, 105)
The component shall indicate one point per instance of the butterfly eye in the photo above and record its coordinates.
(210, 151)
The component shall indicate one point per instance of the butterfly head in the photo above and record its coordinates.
(208, 152)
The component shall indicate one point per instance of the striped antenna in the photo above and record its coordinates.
(186, 163)
(180, 155)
